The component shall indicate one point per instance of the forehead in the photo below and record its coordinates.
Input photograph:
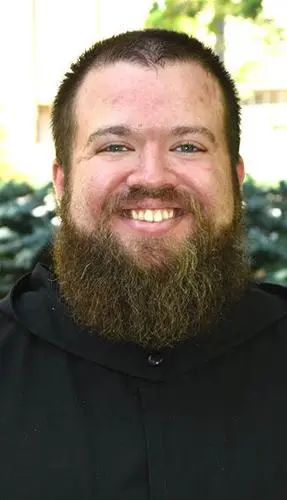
(153, 98)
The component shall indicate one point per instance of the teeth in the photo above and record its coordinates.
(157, 217)
(148, 216)
(152, 215)
(134, 215)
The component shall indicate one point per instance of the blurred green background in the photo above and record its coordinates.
(250, 36)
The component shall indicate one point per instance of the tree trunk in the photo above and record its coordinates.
(219, 23)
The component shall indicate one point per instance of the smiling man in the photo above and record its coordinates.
(150, 198)
(145, 363)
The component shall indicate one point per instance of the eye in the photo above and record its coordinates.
(115, 148)
(187, 148)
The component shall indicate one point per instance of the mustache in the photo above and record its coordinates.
(179, 197)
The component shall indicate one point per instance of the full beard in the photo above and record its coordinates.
(182, 293)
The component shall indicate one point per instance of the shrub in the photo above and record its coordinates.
(26, 228)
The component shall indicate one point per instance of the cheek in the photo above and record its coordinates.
(203, 186)
(92, 186)
(86, 201)
(223, 200)
(213, 190)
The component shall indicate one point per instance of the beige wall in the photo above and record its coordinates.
(38, 41)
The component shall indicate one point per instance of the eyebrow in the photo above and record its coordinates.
(184, 130)
(119, 130)
(124, 131)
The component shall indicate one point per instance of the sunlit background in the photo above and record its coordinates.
(39, 39)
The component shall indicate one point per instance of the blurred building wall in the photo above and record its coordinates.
(38, 41)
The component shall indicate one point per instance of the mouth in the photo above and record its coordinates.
(151, 222)
(152, 215)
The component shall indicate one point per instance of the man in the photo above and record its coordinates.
(145, 364)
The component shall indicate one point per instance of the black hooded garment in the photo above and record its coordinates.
(84, 418)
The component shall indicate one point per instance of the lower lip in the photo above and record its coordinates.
(152, 228)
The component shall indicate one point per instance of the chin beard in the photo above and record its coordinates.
(182, 293)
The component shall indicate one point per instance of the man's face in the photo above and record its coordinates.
(147, 142)
(150, 247)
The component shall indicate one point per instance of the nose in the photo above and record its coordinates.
(152, 171)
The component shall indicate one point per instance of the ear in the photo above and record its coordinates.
(240, 170)
(58, 179)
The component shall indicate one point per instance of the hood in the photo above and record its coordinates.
(34, 306)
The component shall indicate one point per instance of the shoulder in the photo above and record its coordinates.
(14, 341)
(15, 307)
(9, 327)
(273, 304)
(258, 318)
(267, 313)
(10, 324)
(274, 290)
(269, 300)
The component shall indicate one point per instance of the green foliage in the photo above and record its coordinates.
(173, 9)
(250, 9)
(266, 224)
(25, 229)
(172, 16)
(177, 14)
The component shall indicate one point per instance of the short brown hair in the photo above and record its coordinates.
(150, 48)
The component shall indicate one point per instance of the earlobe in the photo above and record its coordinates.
(58, 179)
(240, 171)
